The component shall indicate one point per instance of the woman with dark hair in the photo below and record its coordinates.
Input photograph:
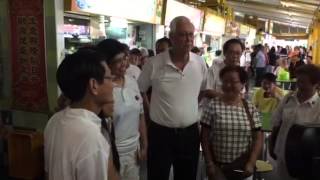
(284, 52)
(299, 107)
(272, 59)
(231, 129)
(128, 118)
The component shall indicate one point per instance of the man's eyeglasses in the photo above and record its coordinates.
(111, 77)
(186, 34)
(231, 82)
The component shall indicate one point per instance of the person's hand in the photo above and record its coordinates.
(273, 92)
(271, 150)
(249, 168)
(211, 170)
(209, 93)
(142, 154)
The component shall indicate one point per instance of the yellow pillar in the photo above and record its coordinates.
(314, 42)
(316, 45)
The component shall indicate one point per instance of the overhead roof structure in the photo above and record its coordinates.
(293, 12)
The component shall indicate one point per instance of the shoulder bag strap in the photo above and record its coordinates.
(249, 115)
(250, 118)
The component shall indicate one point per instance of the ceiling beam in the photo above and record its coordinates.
(272, 13)
(302, 21)
(263, 5)
(308, 2)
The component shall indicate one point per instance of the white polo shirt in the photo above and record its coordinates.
(174, 99)
(213, 78)
(74, 146)
(133, 71)
(128, 106)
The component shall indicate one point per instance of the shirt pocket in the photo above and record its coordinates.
(168, 74)
(169, 77)
(131, 97)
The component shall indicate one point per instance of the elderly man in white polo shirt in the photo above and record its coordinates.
(176, 77)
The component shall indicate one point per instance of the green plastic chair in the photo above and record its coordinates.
(266, 121)
(283, 75)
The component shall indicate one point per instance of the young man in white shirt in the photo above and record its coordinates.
(75, 148)
(176, 77)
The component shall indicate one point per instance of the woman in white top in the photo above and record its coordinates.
(128, 118)
(299, 107)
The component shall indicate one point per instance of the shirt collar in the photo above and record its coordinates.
(311, 101)
(168, 60)
(84, 113)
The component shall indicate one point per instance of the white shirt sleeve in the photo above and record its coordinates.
(144, 80)
(93, 166)
(204, 80)
(210, 78)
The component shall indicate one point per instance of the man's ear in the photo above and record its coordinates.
(93, 86)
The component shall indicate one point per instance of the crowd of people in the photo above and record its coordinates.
(122, 108)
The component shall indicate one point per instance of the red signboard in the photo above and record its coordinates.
(29, 84)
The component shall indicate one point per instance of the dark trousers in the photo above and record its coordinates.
(259, 76)
(173, 146)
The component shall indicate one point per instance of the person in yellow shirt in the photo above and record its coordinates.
(267, 98)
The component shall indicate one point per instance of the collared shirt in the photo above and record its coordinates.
(74, 146)
(290, 111)
(126, 115)
(174, 100)
(260, 60)
(245, 59)
(133, 71)
(230, 130)
(213, 78)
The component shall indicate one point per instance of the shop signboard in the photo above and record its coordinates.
(233, 29)
(244, 30)
(252, 35)
(175, 8)
(29, 83)
(214, 25)
(149, 11)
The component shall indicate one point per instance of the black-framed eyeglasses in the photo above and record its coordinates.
(111, 77)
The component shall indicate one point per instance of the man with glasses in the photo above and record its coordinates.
(74, 146)
(232, 51)
(176, 77)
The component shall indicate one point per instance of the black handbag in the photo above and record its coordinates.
(235, 169)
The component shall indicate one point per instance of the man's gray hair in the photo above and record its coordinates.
(176, 21)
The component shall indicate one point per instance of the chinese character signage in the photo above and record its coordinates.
(29, 84)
